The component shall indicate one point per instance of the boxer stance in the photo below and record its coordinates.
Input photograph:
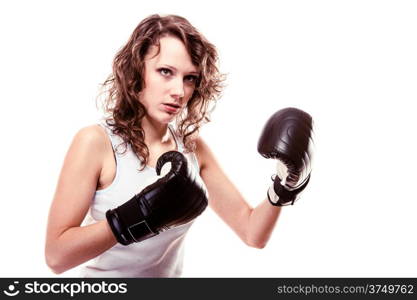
(132, 186)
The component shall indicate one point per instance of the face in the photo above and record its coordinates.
(170, 79)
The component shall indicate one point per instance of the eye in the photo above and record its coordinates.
(165, 72)
(190, 79)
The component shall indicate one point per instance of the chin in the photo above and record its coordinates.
(166, 121)
(163, 118)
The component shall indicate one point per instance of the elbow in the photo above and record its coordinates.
(54, 262)
(54, 265)
(257, 244)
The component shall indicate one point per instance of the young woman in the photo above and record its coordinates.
(110, 207)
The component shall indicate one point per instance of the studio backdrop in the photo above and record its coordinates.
(350, 64)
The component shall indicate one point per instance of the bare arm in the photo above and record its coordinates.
(253, 225)
(68, 244)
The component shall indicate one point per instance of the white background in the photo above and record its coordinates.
(351, 64)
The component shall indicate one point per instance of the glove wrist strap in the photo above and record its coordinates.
(280, 195)
(128, 224)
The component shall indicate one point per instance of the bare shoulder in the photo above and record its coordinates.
(91, 136)
(88, 147)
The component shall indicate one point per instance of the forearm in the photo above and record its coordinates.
(261, 223)
(77, 245)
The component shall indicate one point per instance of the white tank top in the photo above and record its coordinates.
(159, 256)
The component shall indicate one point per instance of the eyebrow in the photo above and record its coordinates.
(175, 69)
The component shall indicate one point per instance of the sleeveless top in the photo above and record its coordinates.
(159, 256)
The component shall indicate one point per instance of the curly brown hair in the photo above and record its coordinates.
(121, 104)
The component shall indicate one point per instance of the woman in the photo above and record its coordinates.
(165, 74)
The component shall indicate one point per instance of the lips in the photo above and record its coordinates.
(171, 107)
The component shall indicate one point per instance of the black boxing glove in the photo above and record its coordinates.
(287, 137)
(175, 199)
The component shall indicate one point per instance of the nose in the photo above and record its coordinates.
(177, 89)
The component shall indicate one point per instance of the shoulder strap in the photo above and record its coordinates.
(177, 139)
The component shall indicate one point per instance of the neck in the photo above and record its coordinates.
(155, 133)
